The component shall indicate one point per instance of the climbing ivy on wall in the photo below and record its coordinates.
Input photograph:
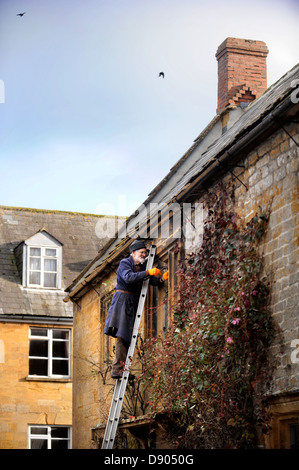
(208, 376)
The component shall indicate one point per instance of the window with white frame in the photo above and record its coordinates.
(49, 437)
(49, 352)
(41, 262)
(42, 267)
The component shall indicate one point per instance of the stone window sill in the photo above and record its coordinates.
(31, 378)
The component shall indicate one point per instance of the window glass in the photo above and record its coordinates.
(49, 437)
(60, 349)
(49, 280)
(50, 264)
(49, 352)
(38, 332)
(34, 278)
(38, 430)
(59, 431)
(38, 367)
(35, 263)
(35, 251)
(43, 267)
(50, 251)
(38, 348)
(294, 436)
(59, 444)
(60, 334)
(38, 444)
(60, 367)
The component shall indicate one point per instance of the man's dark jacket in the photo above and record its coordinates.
(121, 313)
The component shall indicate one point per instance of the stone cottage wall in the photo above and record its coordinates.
(29, 400)
(270, 174)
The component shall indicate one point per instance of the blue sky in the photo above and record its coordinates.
(86, 124)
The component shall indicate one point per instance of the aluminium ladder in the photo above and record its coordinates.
(121, 384)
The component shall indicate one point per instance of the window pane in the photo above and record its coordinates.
(60, 334)
(61, 432)
(38, 367)
(38, 348)
(38, 444)
(60, 367)
(60, 349)
(38, 430)
(35, 264)
(34, 278)
(51, 265)
(39, 332)
(50, 252)
(294, 436)
(35, 251)
(49, 280)
(59, 444)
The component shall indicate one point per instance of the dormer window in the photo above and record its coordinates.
(39, 260)
(42, 267)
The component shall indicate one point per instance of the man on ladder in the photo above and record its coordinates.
(121, 315)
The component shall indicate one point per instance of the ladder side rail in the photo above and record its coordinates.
(111, 417)
(119, 392)
(120, 386)
(136, 325)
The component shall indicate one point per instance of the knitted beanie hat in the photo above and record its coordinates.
(137, 245)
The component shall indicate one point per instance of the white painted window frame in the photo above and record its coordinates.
(50, 358)
(48, 437)
(26, 264)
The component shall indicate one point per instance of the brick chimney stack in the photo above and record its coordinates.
(242, 71)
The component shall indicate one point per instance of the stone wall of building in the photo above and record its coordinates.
(90, 406)
(24, 400)
(270, 173)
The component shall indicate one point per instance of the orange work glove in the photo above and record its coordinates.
(154, 272)
(165, 276)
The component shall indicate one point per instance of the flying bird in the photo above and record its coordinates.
(161, 74)
(21, 14)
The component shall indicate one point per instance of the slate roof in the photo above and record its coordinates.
(75, 231)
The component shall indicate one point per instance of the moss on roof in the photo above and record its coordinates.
(50, 211)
